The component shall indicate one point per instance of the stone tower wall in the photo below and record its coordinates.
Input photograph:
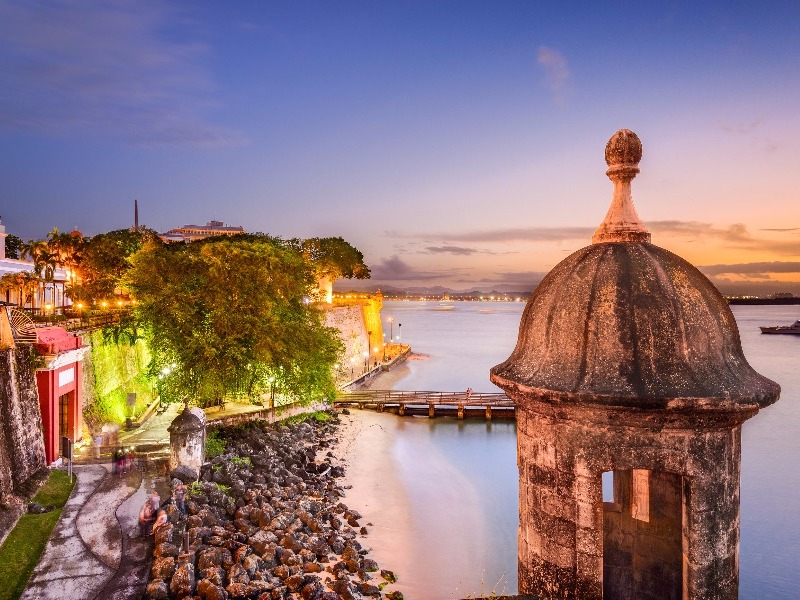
(354, 318)
(643, 537)
(21, 439)
(562, 453)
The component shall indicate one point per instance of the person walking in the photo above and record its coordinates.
(146, 518)
(160, 521)
(120, 462)
(179, 497)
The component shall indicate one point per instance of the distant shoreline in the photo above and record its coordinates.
(764, 301)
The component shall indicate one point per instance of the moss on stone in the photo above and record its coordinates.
(111, 372)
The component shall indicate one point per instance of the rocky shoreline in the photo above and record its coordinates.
(266, 521)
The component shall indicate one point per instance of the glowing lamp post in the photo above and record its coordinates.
(365, 354)
(271, 381)
(391, 329)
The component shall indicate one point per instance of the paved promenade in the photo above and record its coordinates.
(95, 550)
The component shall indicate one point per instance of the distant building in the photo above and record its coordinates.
(191, 233)
(48, 292)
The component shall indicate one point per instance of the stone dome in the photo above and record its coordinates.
(188, 420)
(627, 323)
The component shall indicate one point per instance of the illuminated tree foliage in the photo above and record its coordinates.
(332, 257)
(25, 283)
(102, 262)
(228, 316)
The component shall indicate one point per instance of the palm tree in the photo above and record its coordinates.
(25, 282)
(67, 249)
(44, 261)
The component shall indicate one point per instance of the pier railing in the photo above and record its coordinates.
(432, 403)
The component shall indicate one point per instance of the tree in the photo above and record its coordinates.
(13, 246)
(230, 315)
(25, 282)
(102, 261)
(333, 257)
(67, 248)
(44, 263)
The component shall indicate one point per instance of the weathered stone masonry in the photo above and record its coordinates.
(21, 441)
(629, 361)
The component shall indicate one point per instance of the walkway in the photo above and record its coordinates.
(98, 527)
(95, 551)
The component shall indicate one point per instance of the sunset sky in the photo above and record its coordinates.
(455, 143)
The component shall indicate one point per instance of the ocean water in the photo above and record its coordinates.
(457, 481)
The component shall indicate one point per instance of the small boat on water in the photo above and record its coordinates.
(794, 329)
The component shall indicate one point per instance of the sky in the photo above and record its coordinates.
(454, 143)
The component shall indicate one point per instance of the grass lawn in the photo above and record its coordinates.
(24, 545)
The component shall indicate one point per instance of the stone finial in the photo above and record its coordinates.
(622, 224)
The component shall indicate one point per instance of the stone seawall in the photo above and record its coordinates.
(359, 323)
(21, 439)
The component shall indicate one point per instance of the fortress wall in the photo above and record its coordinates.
(354, 318)
(21, 439)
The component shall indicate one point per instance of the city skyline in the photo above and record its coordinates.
(454, 143)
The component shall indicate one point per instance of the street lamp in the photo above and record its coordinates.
(391, 328)
(384, 351)
(271, 381)
(365, 354)
(375, 350)
(399, 325)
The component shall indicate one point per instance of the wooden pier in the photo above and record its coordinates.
(432, 404)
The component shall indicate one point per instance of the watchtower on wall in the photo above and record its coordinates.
(629, 361)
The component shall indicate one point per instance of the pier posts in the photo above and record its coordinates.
(431, 410)
(401, 409)
(488, 412)
(460, 411)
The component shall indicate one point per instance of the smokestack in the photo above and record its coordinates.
(136, 215)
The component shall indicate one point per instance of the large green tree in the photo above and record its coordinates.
(230, 316)
(102, 262)
(332, 257)
(13, 246)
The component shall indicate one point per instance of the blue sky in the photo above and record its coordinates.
(455, 143)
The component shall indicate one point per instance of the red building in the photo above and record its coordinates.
(60, 385)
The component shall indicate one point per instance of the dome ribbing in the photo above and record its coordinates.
(624, 322)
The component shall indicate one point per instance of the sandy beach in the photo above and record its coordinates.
(404, 500)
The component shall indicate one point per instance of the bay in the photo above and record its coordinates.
(445, 505)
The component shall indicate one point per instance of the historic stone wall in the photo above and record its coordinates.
(562, 453)
(110, 371)
(21, 440)
(360, 329)
(642, 544)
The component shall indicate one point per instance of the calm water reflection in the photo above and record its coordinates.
(451, 471)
